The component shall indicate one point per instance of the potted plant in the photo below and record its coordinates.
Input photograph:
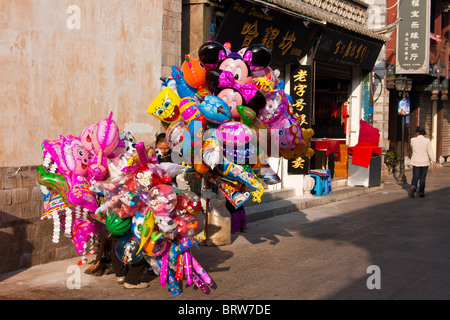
(391, 159)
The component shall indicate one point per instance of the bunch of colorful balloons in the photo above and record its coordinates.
(103, 180)
(224, 113)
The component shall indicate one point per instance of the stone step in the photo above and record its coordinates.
(272, 195)
(269, 209)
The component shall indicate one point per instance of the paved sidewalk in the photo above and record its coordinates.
(320, 252)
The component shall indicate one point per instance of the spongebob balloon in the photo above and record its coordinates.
(165, 106)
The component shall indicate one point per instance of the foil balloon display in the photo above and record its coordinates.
(183, 88)
(155, 246)
(86, 136)
(289, 132)
(189, 109)
(163, 199)
(193, 71)
(276, 108)
(105, 136)
(214, 109)
(165, 106)
(234, 133)
(188, 203)
(69, 155)
(126, 249)
(266, 81)
(301, 150)
(267, 174)
(136, 221)
(246, 154)
(54, 181)
(82, 232)
(55, 203)
(232, 191)
(174, 135)
(211, 149)
(80, 194)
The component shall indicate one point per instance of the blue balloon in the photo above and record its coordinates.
(126, 249)
(183, 89)
(291, 101)
(214, 109)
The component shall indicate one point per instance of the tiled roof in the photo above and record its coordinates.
(349, 15)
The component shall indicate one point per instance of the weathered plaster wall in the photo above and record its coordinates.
(62, 69)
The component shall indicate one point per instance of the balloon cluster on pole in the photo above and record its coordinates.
(225, 113)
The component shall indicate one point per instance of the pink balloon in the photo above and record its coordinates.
(162, 199)
(275, 109)
(234, 133)
(289, 132)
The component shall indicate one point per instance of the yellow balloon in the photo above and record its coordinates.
(165, 106)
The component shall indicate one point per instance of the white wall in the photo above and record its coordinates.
(65, 67)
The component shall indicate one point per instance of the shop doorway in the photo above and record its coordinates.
(332, 86)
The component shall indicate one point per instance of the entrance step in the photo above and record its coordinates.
(277, 206)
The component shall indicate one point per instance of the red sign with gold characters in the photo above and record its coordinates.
(301, 93)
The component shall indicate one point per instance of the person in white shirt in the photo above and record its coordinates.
(422, 156)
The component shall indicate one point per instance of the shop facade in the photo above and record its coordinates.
(327, 41)
(420, 54)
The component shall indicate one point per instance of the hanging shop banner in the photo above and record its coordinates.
(403, 107)
(287, 36)
(342, 48)
(301, 93)
(413, 37)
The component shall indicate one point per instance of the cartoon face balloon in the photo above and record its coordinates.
(275, 109)
(165, 106)
(289, 132)
(214, 109)
(193, 71)
(76, 157)
(86, 136)
(233, 99)
(238, 67)
(163, 199)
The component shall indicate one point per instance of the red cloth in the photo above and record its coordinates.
(319, 173)
(369, 134)
(362, 153)
(331, 145)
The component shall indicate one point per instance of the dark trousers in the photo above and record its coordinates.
(132, 272)
(238, 221)
(419, 176)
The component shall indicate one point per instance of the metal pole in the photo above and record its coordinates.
(402, 178)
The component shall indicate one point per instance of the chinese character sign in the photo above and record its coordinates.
(287, 37)
(301, 93)
(413, 37)
(344, 49)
